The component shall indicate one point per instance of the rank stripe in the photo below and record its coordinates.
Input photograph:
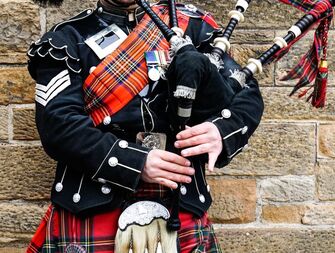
(59, 82)
(52, 81)
(44, 101)
(45, 93)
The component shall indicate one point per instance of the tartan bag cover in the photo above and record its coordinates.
(63, 232)
(312, 65)
(123, 73)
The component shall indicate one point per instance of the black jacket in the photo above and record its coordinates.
(99, 167)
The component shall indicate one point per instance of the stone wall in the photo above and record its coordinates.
(278, 196)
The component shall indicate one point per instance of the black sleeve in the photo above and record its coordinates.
(66, 131)
(238, 121)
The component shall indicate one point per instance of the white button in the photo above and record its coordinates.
(245, 147)
(107, 120)
(226, 113)
(208, 188)
(76, 198)
(183, 190)
(89, 11)
(92, 69)
(191, 7)
(202, 198)
(59, 187)
(101, 180)
(244, 130)
(105, 189)
(113, 161)
(100, 10)
(123, 144)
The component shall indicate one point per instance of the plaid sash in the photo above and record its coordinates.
(123, 73)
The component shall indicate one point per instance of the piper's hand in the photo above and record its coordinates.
(201, 139)
(166, 168)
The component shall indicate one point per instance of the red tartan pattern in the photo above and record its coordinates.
(151, 191)
(60, 229)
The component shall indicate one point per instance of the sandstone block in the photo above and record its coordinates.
(278, 105)
(14, 240)
(283, 213)
(16, 86)
(3, 123)
(234, 200)
(326, 138)
(250, 37)
(326, 179)
(288, 189)
(24, 127)
(19, 27)
(26, 173)
(278, 240)
(273, 147)
(320, 214)
(12, 250)
(21, 217)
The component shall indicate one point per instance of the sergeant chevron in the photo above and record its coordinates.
(45, 93)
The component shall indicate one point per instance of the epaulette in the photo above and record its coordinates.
(56, 45)
(82, 15)
(52, 44)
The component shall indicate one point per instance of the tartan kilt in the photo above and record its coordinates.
(60, 229)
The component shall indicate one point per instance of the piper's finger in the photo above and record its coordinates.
(212, 157)
(176, 159)
(196, 150)
(166, 182)
(176, 169)
(193, 141)
(195, 130)
(175, 177)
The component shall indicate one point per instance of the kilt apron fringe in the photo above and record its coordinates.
(61, 231)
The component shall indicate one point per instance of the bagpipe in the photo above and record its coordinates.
(192, 75)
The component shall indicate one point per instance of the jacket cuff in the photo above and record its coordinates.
(122, 166)
(234, 136)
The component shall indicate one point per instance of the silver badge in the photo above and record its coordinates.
(106, 41)
(151, 140)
